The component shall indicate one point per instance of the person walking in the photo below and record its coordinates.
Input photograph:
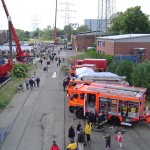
(118, 138)
(108, 140)
(81, 139)
(59, 61)
(37, 81)
(64, 84)
(71, 133)
(101, 119)
(72, 145)
(33, 78)
(88, 129)
(31, 83)
(78, 127)
(27, 83)
(41, 61)
(94, 119)
(54, 146)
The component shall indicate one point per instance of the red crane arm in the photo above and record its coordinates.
(18, 50)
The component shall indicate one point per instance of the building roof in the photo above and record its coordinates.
(123, 36)
(87, 33)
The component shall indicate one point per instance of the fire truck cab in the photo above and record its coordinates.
(122, 104)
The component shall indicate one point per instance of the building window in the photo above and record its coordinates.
(101, 43)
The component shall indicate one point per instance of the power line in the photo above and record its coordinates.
(67, 11)
(35, 21)
(106, 10)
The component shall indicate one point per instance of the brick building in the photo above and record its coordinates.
(127, 44)
(84, 40)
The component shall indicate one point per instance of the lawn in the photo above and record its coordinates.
(8, 91)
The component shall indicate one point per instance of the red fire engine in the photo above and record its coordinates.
(122, 104)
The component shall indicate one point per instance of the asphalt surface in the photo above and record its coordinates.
(34, 118)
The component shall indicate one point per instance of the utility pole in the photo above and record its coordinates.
(10, 38)
(55, 39)
(35, 24)
(106, 10)
(67, 11)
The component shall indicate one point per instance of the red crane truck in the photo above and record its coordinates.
(5, 67)
(21, 55)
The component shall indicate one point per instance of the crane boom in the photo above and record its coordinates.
(19, 51)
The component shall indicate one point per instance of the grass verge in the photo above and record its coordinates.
(8, 91)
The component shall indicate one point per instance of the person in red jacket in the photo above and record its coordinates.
(118, 138)
(54, 146)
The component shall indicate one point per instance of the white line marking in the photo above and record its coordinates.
(54, 75)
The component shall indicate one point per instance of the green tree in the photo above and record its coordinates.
(37, 33)
(116, 25)
(141, 75)
(112, 66)
(20, 34)
(125, 68)
(46, 35)
(83, 28)
(26, 35)
(122, 68)
(133, 20)
(60, 33)
(68, 29)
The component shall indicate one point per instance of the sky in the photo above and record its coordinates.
(30, 14)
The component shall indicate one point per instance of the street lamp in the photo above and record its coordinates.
(10, 37)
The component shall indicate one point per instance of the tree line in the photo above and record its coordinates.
(47, 34)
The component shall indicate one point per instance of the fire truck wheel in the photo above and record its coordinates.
(115, 120)
(79, 113)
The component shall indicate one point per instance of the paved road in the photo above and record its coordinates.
(24, 113)
(23, 116)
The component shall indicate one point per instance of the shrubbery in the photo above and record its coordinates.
(91, 53)
(137, 74)
(122, 68)
(20, 70)
(141, 75)
(64, 69)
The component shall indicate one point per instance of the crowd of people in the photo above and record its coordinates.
(32, 82)
(79, 136)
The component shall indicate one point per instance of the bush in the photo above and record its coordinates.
(20, 70)
(64, 69)
(112, 66)
(125, 68)
(141, 75)
(122, 68)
